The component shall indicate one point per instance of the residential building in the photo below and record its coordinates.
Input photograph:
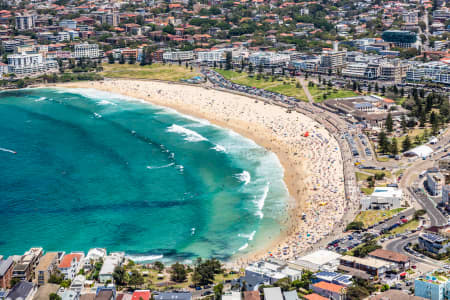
(231, 295)
(86, 51)
(173, 296)
(70, 264)
(112, 19)
(410, 17)
(333, 277)
(433, 243)
(435, 181)
(391, 71)
(268, 272)
(361, 70)
(332, 60)
(110, 262)
(433, 286)
(370, 265)
(252, 295)
(24, 290)
(211, 57)
(94, 255)
(78, 283)
(314, 296)
(105, 293)
(290, 295)
(330, 290)
(24, 269)
(273, 293)
(47, 265)
(444, 164)
(68, 24)
(30, 64)
(268, 59)
(141, 295)
(6, 272)
(176, 56)
(70, 295)
(320, 260)
(25, 22)
(399, 260)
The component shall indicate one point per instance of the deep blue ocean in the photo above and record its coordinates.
(82, 169)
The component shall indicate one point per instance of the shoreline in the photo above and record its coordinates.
(295, 157)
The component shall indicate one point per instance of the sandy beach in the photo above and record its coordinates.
(313, 164)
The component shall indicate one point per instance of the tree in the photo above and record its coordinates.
(394, 146)
(14, 281)
(406, 144)
(54, 296)
(20, 83)
(178, 272)
(228, 58)
(250, 68)
(389, 123)
(383, 142)
(111, 59)
(136, 278)
(159, 266)
(119, 275)
(121, 59)
(355, 225)
(132, 60)
(404, 124)
(218, 290)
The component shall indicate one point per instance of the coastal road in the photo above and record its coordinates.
(407, 213)
(436, 217)
(398, 245)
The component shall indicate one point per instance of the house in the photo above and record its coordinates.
(273, 293)
(268, 272)
(23, 270)
(333, 277)
(70, 295)
(173, 296)
(78, 283)
(94, 255)
(141, 295)
(330, 290)
(290, 295)
(370, 265)
(6, 272)
(109, 264)
(433, 243)
(314, 296)
(70, 264)
(24, 290)
(45, 268)
(231, 295)
(105, 293)
(323, 260)
(401, 261)
(252, 295)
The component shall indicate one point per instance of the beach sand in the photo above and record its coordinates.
(313, 165)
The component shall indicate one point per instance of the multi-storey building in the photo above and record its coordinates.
(112, 19)
(212, 56)
(30, 64)
(269, 59)
(435, 181)
(433, 286)
(433, 243)
(410, 17)
(87, 51)
(25, 22)
(175, 56)
(68, 24)
(6, 272)
(46, 267)
(70, 264)
(24, 269)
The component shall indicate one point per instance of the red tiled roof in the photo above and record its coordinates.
(329, 286)
(67, 260)
(137, 295)
(314, 297)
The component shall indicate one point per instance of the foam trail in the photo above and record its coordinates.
(243, 247)
(98, 116)
(248, 236)
(40, 99)
(106, 102)
(260, 202)
(219, 148)
(142, 258)
(160, 167)
(8, 150)
(245, 177)
(190, 135)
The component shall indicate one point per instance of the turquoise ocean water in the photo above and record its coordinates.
(94, 169)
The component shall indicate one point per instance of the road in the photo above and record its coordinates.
(407, 213)
(436, 217)
(398, 245)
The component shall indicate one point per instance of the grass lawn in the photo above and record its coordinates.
(318, 93)
(154, 71)
(387, 174)
(361, 176)
(412, 134)
(367, 191)
(408, 226)
(286, 86)
(371, 217)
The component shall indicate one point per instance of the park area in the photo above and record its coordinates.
(371, 217)
(283, 85)
(166, 72)
(323, 93)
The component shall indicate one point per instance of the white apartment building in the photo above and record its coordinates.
(25, 22)
(432, 71)
(63, 36)
(435, 182)
(269, 59)
(175, 56)
(86, 51)
(94, 255)
(109, 264)
(212, 56)
(69, 24)
(410, 17)
(385, 198)
(24, 64)
(71, 264)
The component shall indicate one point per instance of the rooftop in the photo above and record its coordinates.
(335, 288)
(389, 255)
(367, 261)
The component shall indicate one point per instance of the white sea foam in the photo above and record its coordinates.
(248, 236)
(106, 102)
(160, 167)
(243, 247)
(245, 177)
(219, 148)
(180, 167)
(97, 115)
(40, 99)
(8, 150)
(142, 258)
(189, 135)
(260, 202)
